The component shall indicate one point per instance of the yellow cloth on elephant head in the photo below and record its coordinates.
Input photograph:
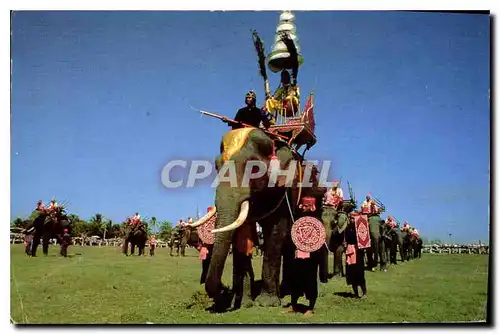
(233, 141)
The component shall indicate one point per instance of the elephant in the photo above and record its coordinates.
(136, 236)
(376, 253)
(417, 247)
(47, 226)
(182, 237)
(335, 221)
(272, 207)
(396, 245)
(407, 246)
(386, 242)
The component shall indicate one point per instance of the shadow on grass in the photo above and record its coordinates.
(345, 294)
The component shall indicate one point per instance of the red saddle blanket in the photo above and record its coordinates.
(362, 231)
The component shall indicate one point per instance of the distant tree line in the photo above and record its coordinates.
(106, 228)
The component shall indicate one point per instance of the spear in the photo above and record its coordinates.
(225, 119)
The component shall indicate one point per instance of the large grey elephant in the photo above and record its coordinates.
(335, 221)
(46, 226)
(376, 253)
(135, 236)
(395, 245)
(272, 207)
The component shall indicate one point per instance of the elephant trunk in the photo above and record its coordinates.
(230, 215)
(222, 243)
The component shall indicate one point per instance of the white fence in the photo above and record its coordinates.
(456, 249)
(18, 238)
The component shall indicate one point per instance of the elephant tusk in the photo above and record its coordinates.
(239, 221)
(205, 218)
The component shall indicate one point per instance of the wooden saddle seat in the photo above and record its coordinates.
(299, 130)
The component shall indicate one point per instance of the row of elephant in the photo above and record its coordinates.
(275, 209)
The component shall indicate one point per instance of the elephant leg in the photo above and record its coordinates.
(337, 260)
(125, 247)
(45, 243)
(383, 262)
(183, 250)
(338, 250)
(274, 237)
(243, 279)
(205, 264)
(400, 246)
(373, 254)
(323, 264)
(393, 252)
(387, 254)
(328, 217)
(35, 243)
(288, 257)
(132, 248)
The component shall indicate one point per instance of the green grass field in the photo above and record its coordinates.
(100, 285)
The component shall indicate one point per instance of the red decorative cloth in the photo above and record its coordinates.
(362, 231)
(350, 254)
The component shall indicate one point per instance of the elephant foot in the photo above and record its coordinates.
(223, 302)
(308, 314)
(288, 310)
(268, 300)
(248, 304)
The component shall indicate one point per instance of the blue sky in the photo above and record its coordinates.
(100, 103)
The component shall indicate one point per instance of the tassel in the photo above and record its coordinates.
(302, 255)
(274, 163)
(203, 253)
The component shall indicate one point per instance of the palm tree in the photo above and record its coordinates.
(106, 226)
(73, 217)
(99, 221)
(154, 224)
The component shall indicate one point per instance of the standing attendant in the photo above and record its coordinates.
(355, 271)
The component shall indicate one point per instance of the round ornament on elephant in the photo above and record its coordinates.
(205, 231)
(308, 234)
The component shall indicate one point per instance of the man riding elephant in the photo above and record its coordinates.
(417, 244)
(396, 241)
(335, 223)
(272, 206)
(251, 114)
(407, 241)
(376, 252)
(47, 223)
(182, 237)
(135, 234)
